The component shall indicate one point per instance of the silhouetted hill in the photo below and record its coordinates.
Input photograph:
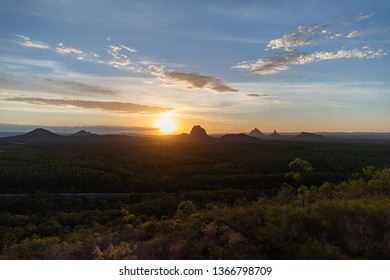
(240, 137)
(199, 134)
(275, 136)
(256, 133)
(82, 133)
(37, 135)
(306, 136)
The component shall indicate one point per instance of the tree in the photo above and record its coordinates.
(299, 168)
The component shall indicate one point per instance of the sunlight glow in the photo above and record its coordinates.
(166, 124)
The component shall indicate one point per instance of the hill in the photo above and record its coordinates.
(197, 134)
(82, 133)
(256, 133)
(240, 137)
(275, 136)
(37, 135)
(306, 136)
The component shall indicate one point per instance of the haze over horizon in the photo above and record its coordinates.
(164, 66)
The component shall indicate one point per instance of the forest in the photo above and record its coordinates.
(160, 198)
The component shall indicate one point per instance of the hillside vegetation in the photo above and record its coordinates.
(267, 200)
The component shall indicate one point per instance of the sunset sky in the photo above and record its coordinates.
(228, 66)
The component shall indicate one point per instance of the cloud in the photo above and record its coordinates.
(79, 54)
(257, 95)
(63, 50)
(304, 36)
(119, 58)
(280, 61)
(128, 48)
(364, 16)
(27, 42)
(120, 107)
(81, 87)
(354, 34)
(193, 80)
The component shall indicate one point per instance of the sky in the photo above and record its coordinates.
(229, 66)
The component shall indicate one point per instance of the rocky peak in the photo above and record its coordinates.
(256, 133)
(198, 132)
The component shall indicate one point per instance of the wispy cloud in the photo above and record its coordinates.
(354, 34)
(81, 87)
(193, 80)
(125, 57)
(305, 36)
(120, 107)
(120, 59)
(79, 54)
(64, 50)
(364, 16)
(133, 50)
(27, 42)
(257, 95)
(280, 61)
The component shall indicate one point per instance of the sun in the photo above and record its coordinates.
(166, 124)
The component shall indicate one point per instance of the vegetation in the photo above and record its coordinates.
(153, 165)
(274, 200)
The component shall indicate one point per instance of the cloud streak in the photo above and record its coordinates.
(304, 36)
(81, 87)
(27, 42)
(354, 34)
(281, 61)
(257, 95)
(194, 80)
(120, 59)
(125, 57)
(63, 50)
(120, 107)
(362, 16)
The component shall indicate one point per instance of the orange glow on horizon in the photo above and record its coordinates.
(166, 123)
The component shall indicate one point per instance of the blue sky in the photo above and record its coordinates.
(229, 66)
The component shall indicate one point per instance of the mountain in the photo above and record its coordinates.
(306, 136)
(256, 133)
(240, 137)
(275, 136)
(82, 133)
(37, 135)
(199, 134)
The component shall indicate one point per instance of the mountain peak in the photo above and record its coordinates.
(82, 133)
(198, 133)
(256, 133)
(275, 136)
(38, 134)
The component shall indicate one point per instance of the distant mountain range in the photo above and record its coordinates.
(197, 134)
(45, 136)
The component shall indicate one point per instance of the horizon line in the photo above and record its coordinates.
(132, 129)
